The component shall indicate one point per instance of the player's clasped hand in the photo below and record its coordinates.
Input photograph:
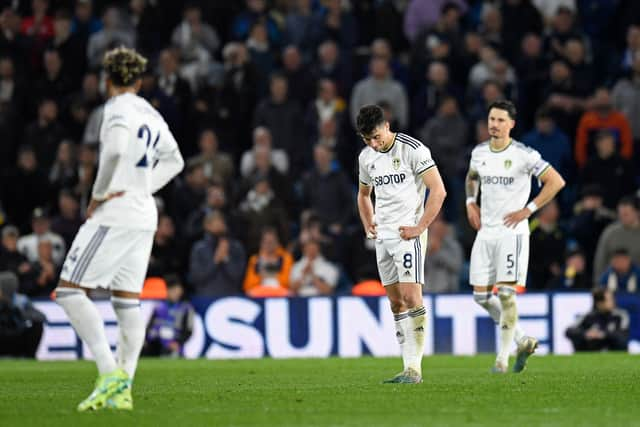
(409, 232)
(512, 219)
(95, 204)
(371, 232)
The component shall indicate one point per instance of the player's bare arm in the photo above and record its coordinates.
(471, 187)
(552, 183)
(437, 193)
(365, 209)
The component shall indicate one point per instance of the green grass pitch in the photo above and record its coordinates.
(584, 390)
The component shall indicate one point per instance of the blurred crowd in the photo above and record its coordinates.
(262, 95)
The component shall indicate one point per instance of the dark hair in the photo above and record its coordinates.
(544, 113)
(172, 280)
(598, 296)
(620, 252)
(629, 201)
(505, 106)
(369, 118)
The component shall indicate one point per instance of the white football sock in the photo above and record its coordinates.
(508, 322)
(491, 303)
(402, 323)
(87, 322)
(415, 337)
(131, 332)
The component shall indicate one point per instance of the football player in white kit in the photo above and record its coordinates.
(502, 169)
(400, 169)
(138, 156)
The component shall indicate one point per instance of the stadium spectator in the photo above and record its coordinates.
(609, 170)
(326, 106)
(32, 181)
(331, 64)
(582, 71)
(197, 43)
(167, 252)
(174, 86)
(87, 166)
(422, 15)
(444, 259)
(84, 22)
(45, 272)
(602, 116)
(146, 20)
(171, 323)
(380, 86)
(327, 192)
(344, 149)
(300, 28)
(590, 217)
(278, 181)
(519, 18)
(71, 47)
(605, 327)
(622, 275)
(20, 322)
(432, 92)
(270, 266)
(256, 11)
(113, 33)
(45, 133)
(632, 47)
(552, 144)
(217, 262)
(283, 117)
(64, 171)
(41, 226)
(574, 273)
(623, 234)
(563, 98)
(15, 44)
(259, 209)
(216, 200)
(563, 27)
(39, 25)
(532, 69)
(189, 193)
(337, 23)
(12, 260)
(549, 8)
(381, 48)
(262, 138)
(300, 80)
(217, 166)
(68, 220)
(262, 55)
(447, 134)
(313, 275)
(311, 229)
(548, 244)
(626, 97)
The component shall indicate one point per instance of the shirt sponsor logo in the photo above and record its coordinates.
(498, 180)
(393, 178)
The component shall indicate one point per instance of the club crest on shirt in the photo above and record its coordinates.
(507, 164)
(396, 163)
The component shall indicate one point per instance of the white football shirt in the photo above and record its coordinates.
(396, 176)
(149, 139)
(505, 184)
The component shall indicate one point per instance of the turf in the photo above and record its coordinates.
(585, 390)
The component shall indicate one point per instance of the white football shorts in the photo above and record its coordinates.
(499, 260)
(401, 261)
(108, 257)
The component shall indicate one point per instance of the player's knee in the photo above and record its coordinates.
(481, 298)
(397, 304)
(507, 297)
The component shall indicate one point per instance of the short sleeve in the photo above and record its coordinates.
(420, 160)
(114, 120)
(363, 174)
(534, 163)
